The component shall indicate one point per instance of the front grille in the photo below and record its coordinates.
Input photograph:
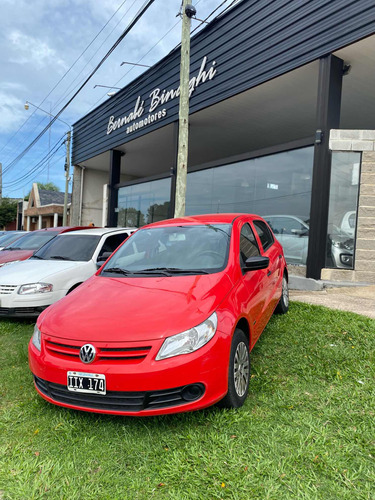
(120, 401)
(116, 353)
(7, 289)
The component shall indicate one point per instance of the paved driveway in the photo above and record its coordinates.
(360, 300)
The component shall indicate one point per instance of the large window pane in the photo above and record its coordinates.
(278, 187)
(144, 203)
(342, 218)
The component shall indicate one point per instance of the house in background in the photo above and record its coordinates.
(44, 209)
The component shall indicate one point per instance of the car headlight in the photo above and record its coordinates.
(190, 340)
(36, 338)
(344, 245)
(35, 288)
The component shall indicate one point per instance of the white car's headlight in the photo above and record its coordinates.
(190, 340)
(36, 338)
(35, 288)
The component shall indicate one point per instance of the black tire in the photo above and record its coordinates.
(283, 305)
(239, 372)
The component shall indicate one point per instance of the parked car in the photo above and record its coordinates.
(9, 237)
(293, 233)
(62, 264)
(167, 324)
(24, 247)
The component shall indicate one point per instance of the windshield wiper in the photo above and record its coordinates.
(37, 257)
(117, 270)
(14, 248)
(172, 270)
(60, 257)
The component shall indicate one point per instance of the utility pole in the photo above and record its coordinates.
(67, 169)
(188, 11)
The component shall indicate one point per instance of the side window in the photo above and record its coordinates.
(264, 234)
(248, 244)
(112, 242)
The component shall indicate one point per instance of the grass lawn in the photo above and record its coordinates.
(307, 430)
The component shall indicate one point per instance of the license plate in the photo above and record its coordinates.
(92, 383)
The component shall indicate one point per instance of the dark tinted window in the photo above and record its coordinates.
(264, 234)
(73, 247)
(112, 242)
(248, 244)
(32, 241)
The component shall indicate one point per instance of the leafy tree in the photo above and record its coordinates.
(8, 211)
(48, 186)
(157, 212)
(130, 217)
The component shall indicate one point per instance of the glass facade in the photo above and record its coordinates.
(277, 187)
(342, 216)
(143, 203)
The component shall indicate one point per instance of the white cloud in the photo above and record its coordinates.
(31, 50)
(12, 112)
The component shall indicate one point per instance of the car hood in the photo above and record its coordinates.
(133, 309)
(33, 271)
(9, 255)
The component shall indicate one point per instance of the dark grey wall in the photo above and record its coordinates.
(254, 42)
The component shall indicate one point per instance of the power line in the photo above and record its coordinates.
(34, 169)
(67, 91)
(140, 13)
(62, 78)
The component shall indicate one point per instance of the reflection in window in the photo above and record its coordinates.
(342, 215)
(271, 186)
(141, 204)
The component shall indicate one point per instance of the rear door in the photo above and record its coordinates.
(273, 272)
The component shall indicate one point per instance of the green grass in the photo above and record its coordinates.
(306, 431)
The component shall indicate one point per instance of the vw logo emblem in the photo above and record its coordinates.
(87, 353)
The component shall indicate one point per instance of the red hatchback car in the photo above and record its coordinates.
(167, 324)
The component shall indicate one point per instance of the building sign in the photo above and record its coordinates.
(136, 120)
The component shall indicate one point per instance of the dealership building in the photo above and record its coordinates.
(282, 124)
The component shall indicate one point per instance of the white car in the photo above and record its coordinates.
(28, 287)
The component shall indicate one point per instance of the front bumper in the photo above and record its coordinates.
(137, 385)
(15, 305)
(21, 312)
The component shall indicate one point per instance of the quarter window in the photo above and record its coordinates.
(264, 234)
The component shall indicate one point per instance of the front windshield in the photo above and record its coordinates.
(197, 249)
(32, 241)
(69, 247)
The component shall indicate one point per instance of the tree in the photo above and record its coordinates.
(8, 211)
(48, 186)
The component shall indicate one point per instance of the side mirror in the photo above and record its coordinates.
(300, 232)
(255, 263)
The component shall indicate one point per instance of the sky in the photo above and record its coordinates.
(47, 49)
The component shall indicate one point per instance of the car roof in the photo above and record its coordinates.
(203, 219)
(99, 231)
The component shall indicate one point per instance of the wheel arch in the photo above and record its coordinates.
(74, 287)
(243, 325)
